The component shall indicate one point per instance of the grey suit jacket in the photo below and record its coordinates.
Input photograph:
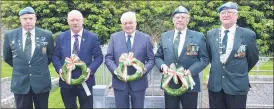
(34, 73)
(194, 63)
(143, 51)
(232, 76)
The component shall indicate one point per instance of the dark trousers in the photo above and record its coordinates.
(26, 100)
(69, 97)
(223, 100)
(122, 98)
(188, 100)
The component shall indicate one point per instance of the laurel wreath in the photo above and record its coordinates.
(173, 73)
(70, 64)
(125, 60)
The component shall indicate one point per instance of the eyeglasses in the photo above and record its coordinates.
(181, 17)
(228, 12)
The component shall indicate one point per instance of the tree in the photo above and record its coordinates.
(153, 17)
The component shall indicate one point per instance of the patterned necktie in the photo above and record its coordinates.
(28, 45)
(76, 45)
(128, 43)
(176, 44)
(224, 42)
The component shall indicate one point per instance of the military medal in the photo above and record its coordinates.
(44, 50)
(188, 50)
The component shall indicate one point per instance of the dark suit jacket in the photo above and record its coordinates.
(143, 51)
(90, 53)
(194, 63)
(232, 77)
(29, 74)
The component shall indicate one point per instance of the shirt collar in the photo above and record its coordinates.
(25, 32)
(80, 33)
(231, 29)
(132, 34)
(182, 31)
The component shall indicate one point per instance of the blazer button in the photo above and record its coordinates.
(29, 65)
(223, 76)
(223, 66)
(29, 74)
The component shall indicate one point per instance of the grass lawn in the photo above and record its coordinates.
(55, 100)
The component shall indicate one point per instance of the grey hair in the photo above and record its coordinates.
(128, 14)
(75, 12)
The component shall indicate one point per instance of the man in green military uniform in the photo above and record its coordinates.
(233, 53)
(28, 50)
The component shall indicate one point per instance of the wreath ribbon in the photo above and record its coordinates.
(70, 64)
(128, 59)
(175, 73)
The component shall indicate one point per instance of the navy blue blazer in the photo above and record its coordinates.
(143, 51)
(90, 53)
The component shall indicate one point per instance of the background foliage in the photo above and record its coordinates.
(153, 17)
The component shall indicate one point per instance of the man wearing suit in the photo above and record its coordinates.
(129, 40)
(185, 48)
(232, 52)
(77, 41)
(28, 49)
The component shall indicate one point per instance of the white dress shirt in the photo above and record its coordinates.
(73, 40)
(230, 40)
(131, 38)
(182, 39)
(32, 36)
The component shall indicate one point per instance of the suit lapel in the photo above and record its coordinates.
(188, 40)
(67, 40)
(170, 42)
(83, 44)
(237, 42)
(37, 40)
(19, 43)
(135, 42)
(215, 40)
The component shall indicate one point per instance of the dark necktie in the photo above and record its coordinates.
(128, 43)
(76, 45)
(28, 45)
(224, 42)
(176, 44)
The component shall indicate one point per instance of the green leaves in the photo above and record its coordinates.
(153, 17)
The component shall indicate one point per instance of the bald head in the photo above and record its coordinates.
(75, 21)
(75, 13)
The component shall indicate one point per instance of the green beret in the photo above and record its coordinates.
(27, 10)
(180, 9)
(228, 5)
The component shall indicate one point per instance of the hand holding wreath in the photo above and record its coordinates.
(70, 64)
(173, 73)
(128, 59)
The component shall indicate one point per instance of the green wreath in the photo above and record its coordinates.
(173, 73)
(70, 65)
(128, 59)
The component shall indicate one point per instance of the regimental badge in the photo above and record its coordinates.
(44, 49)
(192, 49)
(241, 52)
